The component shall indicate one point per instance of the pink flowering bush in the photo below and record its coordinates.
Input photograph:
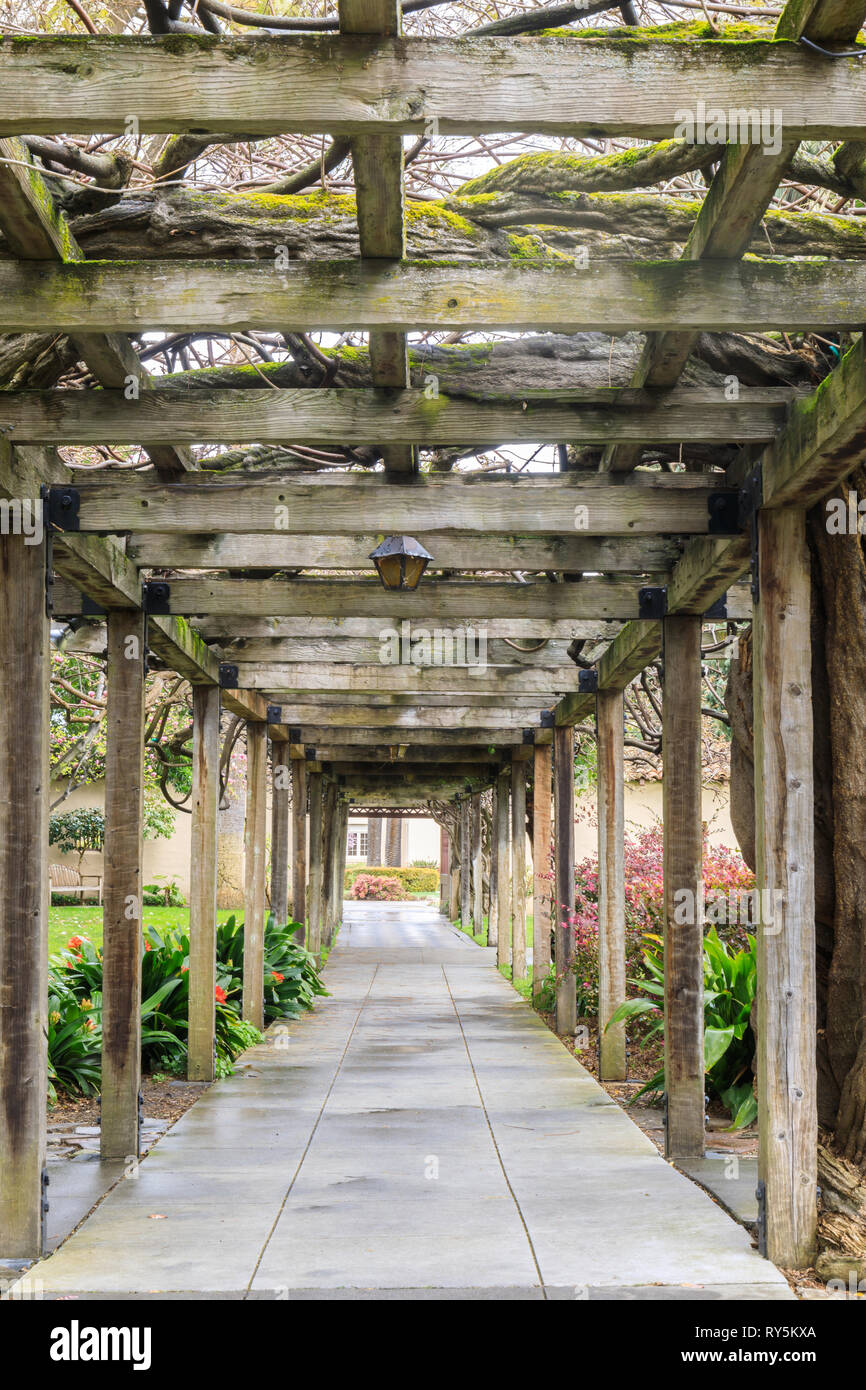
(724, 873)
(373, 888)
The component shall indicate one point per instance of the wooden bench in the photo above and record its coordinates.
(62, 878)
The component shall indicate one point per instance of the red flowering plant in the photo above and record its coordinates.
(376, 888)
(727, 884)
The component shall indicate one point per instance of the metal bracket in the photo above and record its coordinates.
(719, 609)
(761, 1194)
(528, 736)
(751, 499)
(275, 714)
(140, 1120)
(90, 608)
(652, 603)
(155, 595)
(43, 1207)
(723, 511)
(309, 751)
(294, 735)
(60, 507)
(228, 676)
(548, 719)
(587, 681)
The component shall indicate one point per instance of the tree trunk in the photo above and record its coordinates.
(393, 842)
(374, 841)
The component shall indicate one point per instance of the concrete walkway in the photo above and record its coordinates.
(421, 1135)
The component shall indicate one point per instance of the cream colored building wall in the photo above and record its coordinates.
(643, 808)
(162, 858)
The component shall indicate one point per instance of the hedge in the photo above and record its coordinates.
(414, 878)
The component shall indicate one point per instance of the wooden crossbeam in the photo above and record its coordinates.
(377, 164)
(366, 651)
(300, 677)
(466, 551)
(433, 603)
(739, 195)
(35, 230)
(625, 84)
(322, 417)
(343, 756)
(608, 296)
(406, 717)
(574, 505)
(479, 734)
(240, 627)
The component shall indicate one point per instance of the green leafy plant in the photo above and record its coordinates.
(729, 1043)
(163, 892)
(415, 878)
(77, 832)
(74, 1043)
(292, 979)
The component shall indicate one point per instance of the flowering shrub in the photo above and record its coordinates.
(370, 888)
(725, 873)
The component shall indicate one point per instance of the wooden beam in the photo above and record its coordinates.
(203, 882)
(683, 889)
(444, 870)
(785, 878)
(122, 886)
(542, 791)
(333, 416)
(503, 869)
(563, 904)
(299, 844)
(24, 776)
(611, 884)
(457, 602)
(377, 166)
(361, 651)
(281, 783)
(414, 719)
(335, 296)
(357, 85)
(226, 630)
(450, 551)
(347, 756)
(505, 736)
(518, 870)
(543, 681)
(255, 825)
(571, 505)
(35, 230)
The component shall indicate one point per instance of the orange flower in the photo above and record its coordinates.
(74, 943)
(86, 1004)
(278, 978)
(184, 969)
(220, 994)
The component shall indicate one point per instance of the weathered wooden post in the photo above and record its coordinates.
(203, 881)
(329, 849)
(785, 880)
(465, 864)
(255, 827)
(340, 865)
(280, 817)
(299, 844)
(503, 878)
(683, 888)
(122, 887)
(444, 871)
(24, 780)
(518, 869)
(493, 909)
(477, 866)
(566, 990)
(611, 883)
(455, 879)
(541, 885)
(314, 906)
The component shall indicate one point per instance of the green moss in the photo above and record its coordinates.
(429, 216)
(294, 207)
(528, 248)
(678, 32)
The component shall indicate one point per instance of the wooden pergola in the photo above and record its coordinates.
(298, 658)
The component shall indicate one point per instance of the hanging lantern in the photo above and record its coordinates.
(400, 562)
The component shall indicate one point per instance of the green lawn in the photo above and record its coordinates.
(85, 919)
